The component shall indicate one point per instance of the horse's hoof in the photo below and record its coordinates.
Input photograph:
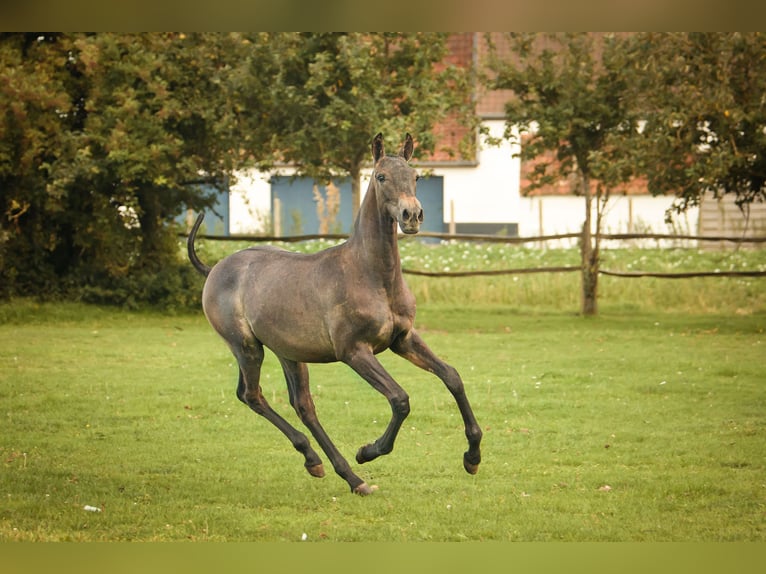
(364, 489)
(317, 470)
(470, 467)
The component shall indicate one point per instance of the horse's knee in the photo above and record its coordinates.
(453, 381)
(400, 405)
(301, 444)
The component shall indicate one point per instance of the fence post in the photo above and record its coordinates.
(452, 225)
(277, 223)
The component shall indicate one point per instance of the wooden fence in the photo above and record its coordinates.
(737, 240)
(721, 216)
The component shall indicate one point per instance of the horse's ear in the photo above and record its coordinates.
(377, 147)
(407, 148)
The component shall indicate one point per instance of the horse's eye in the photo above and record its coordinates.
(417, 177)
(380, 177)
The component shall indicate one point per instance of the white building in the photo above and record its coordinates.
(483, 195)
(480, 197)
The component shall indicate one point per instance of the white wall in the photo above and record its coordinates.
(484, 194)
(250, 203)
(488, 193)
(553, 215)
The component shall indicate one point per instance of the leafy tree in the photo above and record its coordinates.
(701, 98)
(32, 102)
(337, 89)
(567, 98)
(102, 138)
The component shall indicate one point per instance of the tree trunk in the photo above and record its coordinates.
(589, 256)
(151, 228)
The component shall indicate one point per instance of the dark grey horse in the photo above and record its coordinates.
(346, 303)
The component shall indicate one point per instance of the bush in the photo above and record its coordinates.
(163, 280)
(173, 287)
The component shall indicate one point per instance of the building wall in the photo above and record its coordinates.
(560, 214)
(487, 196)
(485, 193)
(250, 203)
(723, 217)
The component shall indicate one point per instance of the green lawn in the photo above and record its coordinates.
(632, 426)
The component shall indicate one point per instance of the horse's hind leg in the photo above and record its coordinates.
(249, 392)
(297, 376)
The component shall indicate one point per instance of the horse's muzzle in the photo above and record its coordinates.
(410, 215)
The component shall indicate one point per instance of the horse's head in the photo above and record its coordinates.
(394, 183)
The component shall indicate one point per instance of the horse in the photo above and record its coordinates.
(346, 303)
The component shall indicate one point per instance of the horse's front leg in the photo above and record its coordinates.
(413, 348)
(363, 361)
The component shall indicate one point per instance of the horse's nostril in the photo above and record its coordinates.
(421, 215)
(406, 215)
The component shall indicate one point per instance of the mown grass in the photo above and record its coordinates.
(631, 426)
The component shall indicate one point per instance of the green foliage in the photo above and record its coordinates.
(102, 138)
(568, 99)
(568, 92)
(172, 288)
(701, 97)
(684, 111)
(352, 85)
(339, 89)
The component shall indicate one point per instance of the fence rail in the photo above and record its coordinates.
(478, 273)
(682, 275)
(489, 238)
(533, 239)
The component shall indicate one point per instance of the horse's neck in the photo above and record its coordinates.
(374, 238)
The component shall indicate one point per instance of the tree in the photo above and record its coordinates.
(700, 96)
(104, 137)
(567, 98)
(102, 140)
(338, 89)
(32, 101)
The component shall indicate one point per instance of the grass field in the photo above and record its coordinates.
(642, 424)
(645, 423)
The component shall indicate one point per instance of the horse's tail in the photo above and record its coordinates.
(198, 265)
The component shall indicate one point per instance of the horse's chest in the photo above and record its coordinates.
(375, 322)
(393, 323)
(388, 324)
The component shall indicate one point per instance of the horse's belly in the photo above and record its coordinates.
(294, 335)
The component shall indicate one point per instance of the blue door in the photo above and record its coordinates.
(300, 210)
(216, 220)
(431, 196)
